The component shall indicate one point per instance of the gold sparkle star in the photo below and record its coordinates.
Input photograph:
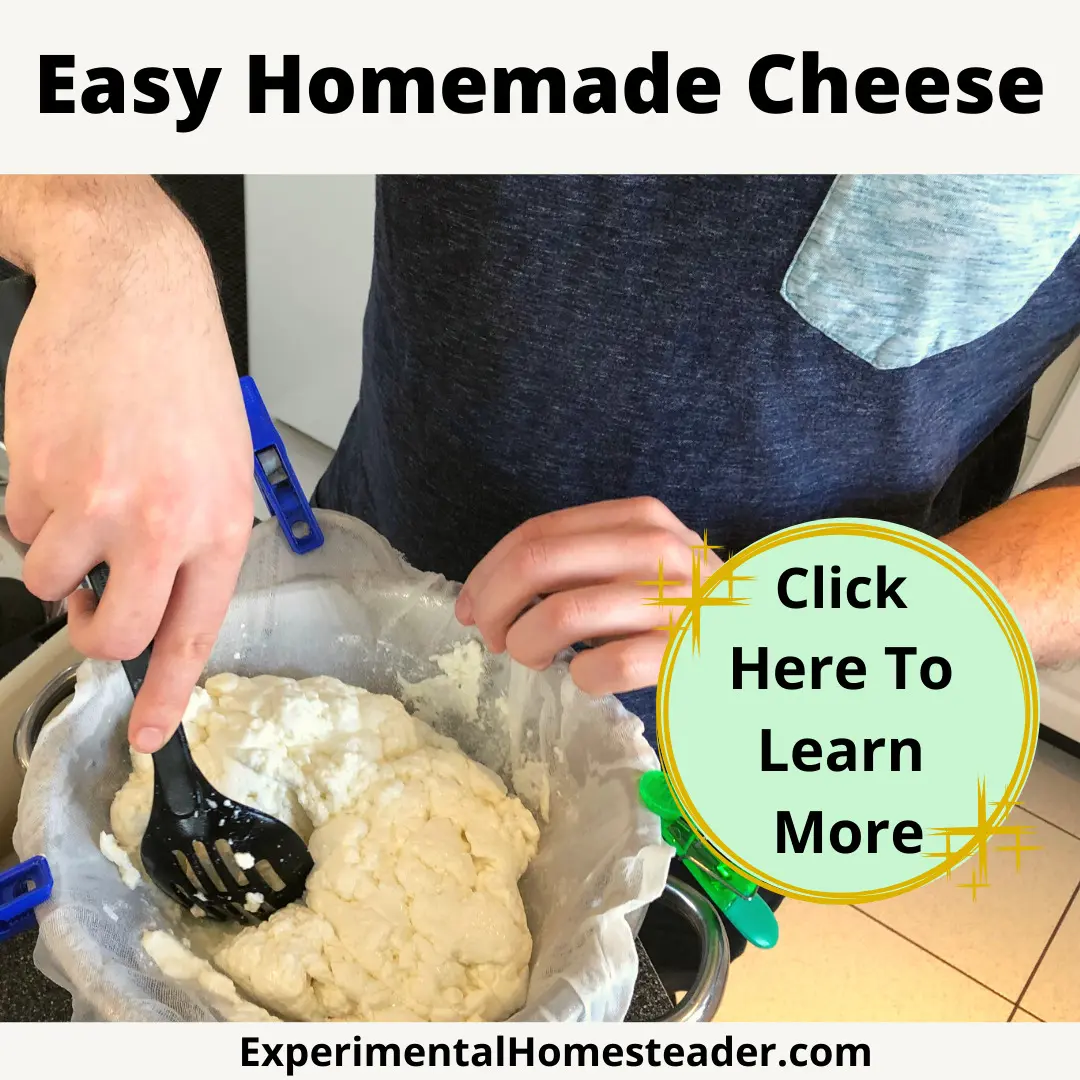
(982, 832)
(1019, 847)
(698, 598)
(974, 885)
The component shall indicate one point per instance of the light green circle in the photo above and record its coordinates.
(976, 729)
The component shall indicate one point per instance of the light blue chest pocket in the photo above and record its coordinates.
(897, 269)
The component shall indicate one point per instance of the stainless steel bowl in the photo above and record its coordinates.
(703, 998)
(57, 691)
(701, 1001)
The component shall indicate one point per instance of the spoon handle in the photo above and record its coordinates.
(177, 780)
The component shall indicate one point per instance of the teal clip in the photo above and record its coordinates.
(732, 894)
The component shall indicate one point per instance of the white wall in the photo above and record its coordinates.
(1053, 432)
(1054, 429)
(309, 248)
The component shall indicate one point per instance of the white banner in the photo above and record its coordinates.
(560, 86)
(173, 1052)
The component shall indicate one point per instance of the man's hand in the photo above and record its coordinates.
(125, 429)
(575, 576)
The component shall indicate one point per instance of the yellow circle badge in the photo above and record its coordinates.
(846, 711)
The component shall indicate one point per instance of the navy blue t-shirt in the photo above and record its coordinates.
(534, 343)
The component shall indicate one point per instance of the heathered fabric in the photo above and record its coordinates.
(937, 261)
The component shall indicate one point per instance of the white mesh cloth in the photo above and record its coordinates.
(353, 609)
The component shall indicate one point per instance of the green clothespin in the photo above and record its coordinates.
(732, 894)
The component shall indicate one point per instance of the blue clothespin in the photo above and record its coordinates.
(274, 474)
(21, 890)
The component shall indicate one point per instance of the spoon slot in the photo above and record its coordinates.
(206, 862)
(229, 859)
(269, 875)
(189, 871)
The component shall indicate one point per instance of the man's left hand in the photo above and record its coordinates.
(578, 576)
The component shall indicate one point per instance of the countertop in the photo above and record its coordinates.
(26, 995)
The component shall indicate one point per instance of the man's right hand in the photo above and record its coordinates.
(125, 429)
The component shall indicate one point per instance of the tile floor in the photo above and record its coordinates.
(1012, 953)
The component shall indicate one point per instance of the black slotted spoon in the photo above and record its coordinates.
(195, 832)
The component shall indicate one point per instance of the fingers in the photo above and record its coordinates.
(566, 618)
(560, 562)
(196, 610)
(126, 619)
(620, 666)
(80, 606)
(62, 552)
(24, 509)
(579, 575)
(602, 517)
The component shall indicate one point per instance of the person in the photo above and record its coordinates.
(564, 379)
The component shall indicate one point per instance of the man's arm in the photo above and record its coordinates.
(124, 427)
(1030, 549)
(47, 221)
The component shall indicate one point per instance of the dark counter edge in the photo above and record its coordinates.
(26, 996)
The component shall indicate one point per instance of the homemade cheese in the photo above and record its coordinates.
(412, 911)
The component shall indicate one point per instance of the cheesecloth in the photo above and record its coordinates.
(355, 610)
